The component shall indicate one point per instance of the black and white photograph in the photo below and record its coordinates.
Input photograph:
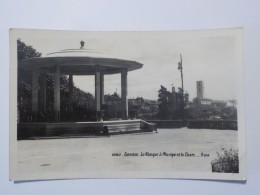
(127, 104)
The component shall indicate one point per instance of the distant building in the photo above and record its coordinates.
(144, 107)
(218, 105)
(202, 102)
(201, 108)
(205, 108)
(200, 89)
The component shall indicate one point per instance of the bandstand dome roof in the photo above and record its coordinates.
(79, 62)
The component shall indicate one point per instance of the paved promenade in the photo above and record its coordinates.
(169, 149)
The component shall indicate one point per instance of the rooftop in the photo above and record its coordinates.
(80, 62)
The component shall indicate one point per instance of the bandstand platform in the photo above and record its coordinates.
(58, 130)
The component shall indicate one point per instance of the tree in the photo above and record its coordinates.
(25, 51)
(167, 103)
(24, 77)
(140, 100)
(182, 112)
(83, 100)
(112, 98)
(163, 100)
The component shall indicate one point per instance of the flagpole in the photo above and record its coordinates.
(182, 78)
(182, 89)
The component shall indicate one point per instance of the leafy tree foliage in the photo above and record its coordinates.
(163, 100)
(112, 97)
(166, 104)
(83, 100)
(25, 51)
(140, 100)
(180, 113)
(24, 77)
(227, 161)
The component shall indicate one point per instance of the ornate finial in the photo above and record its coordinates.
(82, 44)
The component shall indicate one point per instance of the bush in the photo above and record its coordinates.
(226, 162)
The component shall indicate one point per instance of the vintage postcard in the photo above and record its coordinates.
(147, 104)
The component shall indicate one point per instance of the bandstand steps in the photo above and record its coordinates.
(119, 128)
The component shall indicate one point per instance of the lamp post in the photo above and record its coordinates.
(182, 90)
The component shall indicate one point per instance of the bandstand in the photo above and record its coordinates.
(77, 62)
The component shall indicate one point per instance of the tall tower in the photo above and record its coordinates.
(200, 89)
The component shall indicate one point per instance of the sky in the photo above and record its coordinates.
(209, 55)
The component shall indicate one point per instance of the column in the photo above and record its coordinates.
(43, 92)
(57, 93)
(102, 100)
(35, 88)
(124, 99)
(97, 88)
(71, 92)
